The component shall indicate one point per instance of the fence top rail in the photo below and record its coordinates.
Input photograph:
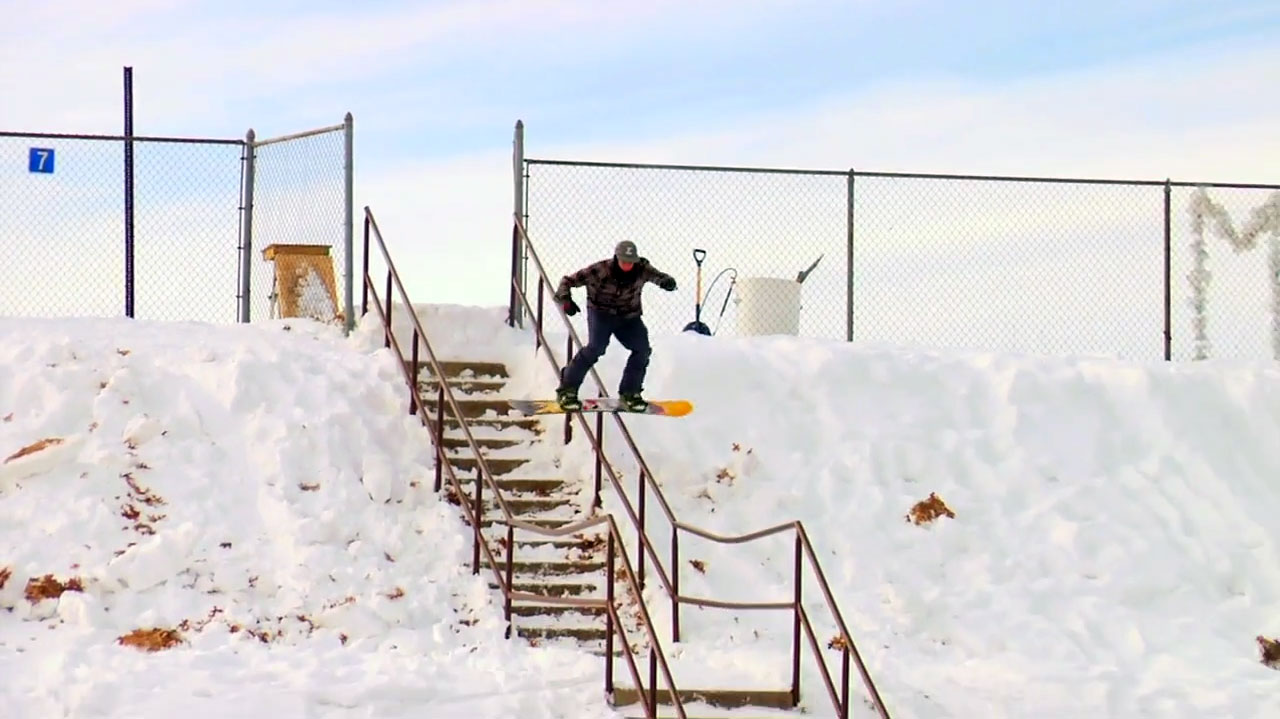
(1062, 180)
(700, 168)
(300, 135)
(904, 175)
(120, 138)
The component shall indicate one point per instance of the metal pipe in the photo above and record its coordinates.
(848, 305)
(246, 244)
(128, 194)
(608, 633)
(1168, 273)
(475, 545)
(348, 224)
(795, 629)
(300, 135)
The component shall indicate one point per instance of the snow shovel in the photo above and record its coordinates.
(697, 325)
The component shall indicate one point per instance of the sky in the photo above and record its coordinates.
(1099, 89)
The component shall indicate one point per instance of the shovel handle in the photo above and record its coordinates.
(699, 256)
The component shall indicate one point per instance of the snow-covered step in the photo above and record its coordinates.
(580, 634)
(524, 485)
(554, 588)
(472, 408)
(556, 610)
(715, 698)
(547, 522)
(429, 386)
(497, 465)
(462, 369)
(457, 441)
(499, 424)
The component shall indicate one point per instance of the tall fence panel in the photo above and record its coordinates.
(1143, 270)
(186, 228)
(760, 230)
(62, 226)
(63, 222)
(1016, 266)
(302, 196)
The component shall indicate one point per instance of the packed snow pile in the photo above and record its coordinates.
(1007, 535)
(214, 521)
(237, 521)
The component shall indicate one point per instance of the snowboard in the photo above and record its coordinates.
(661, 407)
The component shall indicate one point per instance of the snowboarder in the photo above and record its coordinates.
(613, 310)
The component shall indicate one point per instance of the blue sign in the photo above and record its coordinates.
(40, 160)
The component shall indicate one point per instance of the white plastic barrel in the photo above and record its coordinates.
(768, 306)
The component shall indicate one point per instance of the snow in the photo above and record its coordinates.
(1112, 550)
(263, 487)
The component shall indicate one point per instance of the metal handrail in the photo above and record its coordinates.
(474, 514)
(670, 580)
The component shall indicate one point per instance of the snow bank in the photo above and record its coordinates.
(1112, 549)
(255, 503)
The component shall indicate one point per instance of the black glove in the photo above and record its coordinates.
(668, 284)
(570, 307)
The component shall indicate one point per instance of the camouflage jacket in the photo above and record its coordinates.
(609, 289)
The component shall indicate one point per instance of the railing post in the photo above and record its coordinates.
(364, 283)
(568, 355)
(608, 615)
(795, 629)
(515, 313)
(844, 680)
(675, 583)
(413, 388)
(479, 511)
(537, 339)
(653, 682)
(440, 455)
(640, 531)
(391, 303)
(595, 502)
(511, 565)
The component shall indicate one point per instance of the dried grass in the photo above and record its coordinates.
(34, 447)
(151, 639)
(49, 587)
(927, 510)
(1270, 649)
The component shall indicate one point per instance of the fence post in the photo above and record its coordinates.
(128, 193)
(348, 219)
(515, 313)
(848, 307)
(1168, 271)
(246, 246)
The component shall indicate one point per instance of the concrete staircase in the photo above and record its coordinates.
(569, 566)
(572, 566)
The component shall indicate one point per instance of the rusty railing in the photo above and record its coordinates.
(522, 246)
(503, 572)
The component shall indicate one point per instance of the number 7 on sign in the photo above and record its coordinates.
(40, 160)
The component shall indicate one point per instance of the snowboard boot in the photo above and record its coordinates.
(633, 401)
(567, 398)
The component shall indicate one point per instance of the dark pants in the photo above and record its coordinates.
(631, 333)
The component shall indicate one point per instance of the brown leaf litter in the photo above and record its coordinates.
(34, 447)
(929, 509)
(151, 639)
(48, 587)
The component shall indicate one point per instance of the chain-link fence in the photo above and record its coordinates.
(169, 240)
(1035, 265)
(302, 197)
